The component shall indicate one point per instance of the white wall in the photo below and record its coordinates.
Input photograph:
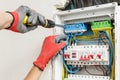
(18, 51)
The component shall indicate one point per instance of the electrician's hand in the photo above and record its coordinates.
(49, 50)
(19, 15)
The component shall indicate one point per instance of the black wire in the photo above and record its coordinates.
(93, 2)
(77, 2)
(97, 68)
(85, 3)
(97, 2)
(104, 70)
(90, 3)
(82, 3)
(101, 69)
(91, 73)
(107, 1)
(67, 7)
(103, 1)
(118, 1)
(111, 55)
(74, 3)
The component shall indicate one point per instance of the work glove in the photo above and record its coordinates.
(49, 50)
(19, 16)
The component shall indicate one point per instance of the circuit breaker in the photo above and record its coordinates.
(92, 51)
(87, 55)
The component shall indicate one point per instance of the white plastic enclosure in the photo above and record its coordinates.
(87, 14)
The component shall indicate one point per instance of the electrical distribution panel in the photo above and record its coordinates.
(90, 52)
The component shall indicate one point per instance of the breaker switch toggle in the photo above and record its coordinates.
(66, 55)
(99, 56)
(81, 58)
(91, 56)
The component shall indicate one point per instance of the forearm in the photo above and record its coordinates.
(34, 74)
(5, 20)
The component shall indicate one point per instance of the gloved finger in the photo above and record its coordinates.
(60, 38)
(21, 12)
(42, 20)
(60, 46)
(55, 39)
(22, 28)
(31, 28)
(30, 19)
(34, 21)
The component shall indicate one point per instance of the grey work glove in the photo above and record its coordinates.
(19, 16)
(60, 38)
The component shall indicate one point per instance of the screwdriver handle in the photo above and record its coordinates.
(48, 23)
(25, 21)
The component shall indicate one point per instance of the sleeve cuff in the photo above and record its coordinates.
(14, 23)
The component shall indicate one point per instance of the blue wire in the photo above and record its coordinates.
(69, 38)
(111, 52)
(72, 72)
(71, 67)
(78, 34)
(111, 59)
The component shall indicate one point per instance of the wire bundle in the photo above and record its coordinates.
(109, 41)
(74, 4)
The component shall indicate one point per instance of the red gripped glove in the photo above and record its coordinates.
(49, 50)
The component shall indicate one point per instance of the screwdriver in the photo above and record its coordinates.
(48, 23)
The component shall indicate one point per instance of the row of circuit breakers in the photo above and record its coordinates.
(88, 45)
